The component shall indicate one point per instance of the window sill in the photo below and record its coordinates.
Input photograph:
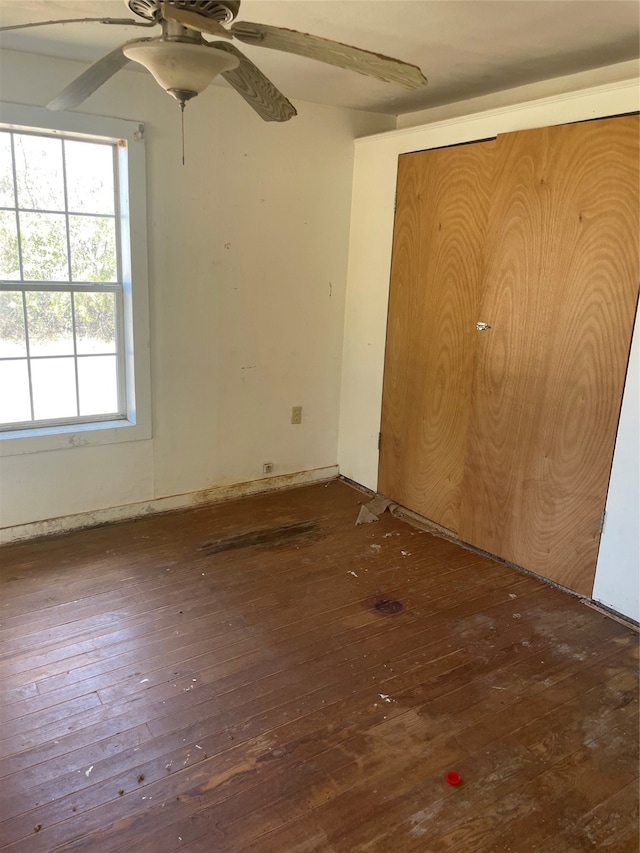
(73, 435)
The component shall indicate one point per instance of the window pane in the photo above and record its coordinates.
(89, 170)
(39, 172)
(14, 392)
(54, 388)
(7, 198)
(93, 248)
(12, 338)
(98, 384)
(59, 224)
(44, 247)
(49, 323)
(95, 322)
(9, 260)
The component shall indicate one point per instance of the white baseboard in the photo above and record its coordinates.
(216, 494)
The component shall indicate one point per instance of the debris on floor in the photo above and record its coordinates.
(373, 510)
(366, 516)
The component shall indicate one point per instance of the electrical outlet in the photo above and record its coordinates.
(296, 415)
(267, 468)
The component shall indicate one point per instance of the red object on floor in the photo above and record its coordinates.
(453, 778)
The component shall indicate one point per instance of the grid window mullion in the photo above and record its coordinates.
(75, 349)
(15, 201)
(60, 286)
(26, 340)
(73, 312)
(66, 209)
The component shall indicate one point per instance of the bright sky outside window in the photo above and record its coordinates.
(61, 286)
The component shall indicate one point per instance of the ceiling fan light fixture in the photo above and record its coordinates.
(180, 67)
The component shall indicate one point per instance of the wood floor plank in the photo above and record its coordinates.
(434, 805)
(201, 693)
(474, 823)
(280, 711)
(567, 791)
(611, 822)
(320, 741)
(31, 664)
(401, 737)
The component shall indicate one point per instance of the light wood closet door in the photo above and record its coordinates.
(439, 237)
(560, 292)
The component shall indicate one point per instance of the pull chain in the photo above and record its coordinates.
(182, 121)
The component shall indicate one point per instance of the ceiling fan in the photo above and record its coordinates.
(184, 63)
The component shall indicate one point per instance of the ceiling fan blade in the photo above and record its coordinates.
(332, 52)
(122, 22)
(193, 21)
(91, 79)
(257, 90)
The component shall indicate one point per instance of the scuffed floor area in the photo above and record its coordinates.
(264, 675)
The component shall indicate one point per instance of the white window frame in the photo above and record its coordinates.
(133, 247)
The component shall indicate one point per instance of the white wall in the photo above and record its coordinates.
(247, 269)
(369, 269)
(617, 583)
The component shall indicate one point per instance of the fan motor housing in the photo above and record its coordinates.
(222, 11)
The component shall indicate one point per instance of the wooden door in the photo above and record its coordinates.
(439, 237)
(560, 292)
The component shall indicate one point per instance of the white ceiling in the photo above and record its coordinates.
(466, 48)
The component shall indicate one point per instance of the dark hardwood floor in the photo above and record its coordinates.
(265, 676)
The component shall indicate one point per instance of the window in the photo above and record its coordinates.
(60, 281)
(67, 284)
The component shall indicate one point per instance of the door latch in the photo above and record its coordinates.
(482, 327)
